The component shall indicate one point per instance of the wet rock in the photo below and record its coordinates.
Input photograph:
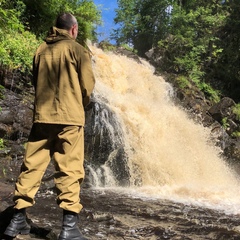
(6, 213)
(3, 130)
(16, 115)
(36, 232)
(15, 80)
(222, 109)
(106, 46)
(154, 55)
(104, 146)
(128, 53)
(223, 113)
(113, 215)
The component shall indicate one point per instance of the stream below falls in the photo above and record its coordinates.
(111, 215)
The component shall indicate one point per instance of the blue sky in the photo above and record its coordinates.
(107, 8)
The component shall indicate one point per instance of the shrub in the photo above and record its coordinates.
(236, 111)
(17, 52)
(1, 144)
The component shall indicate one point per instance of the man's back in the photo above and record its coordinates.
(62, 78)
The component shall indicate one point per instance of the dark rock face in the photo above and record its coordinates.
(222, 109)
(222, 112)
(104, 144)
(15, 116)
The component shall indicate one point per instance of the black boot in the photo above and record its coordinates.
(18, 224)
(70, 230)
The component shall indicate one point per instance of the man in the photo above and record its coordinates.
(63, 82)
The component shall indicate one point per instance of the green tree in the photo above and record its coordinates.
(204, 44)
(194, 44)
(16, 44)
(22, 20)
(9, 15)
(127, 20)
(40, 15)
(142, 23)
(197, 39)
(227, 68)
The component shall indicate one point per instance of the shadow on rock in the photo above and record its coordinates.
(5, 218)
(35, 232)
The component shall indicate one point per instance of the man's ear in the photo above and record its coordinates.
(71, 32)
(74, 31)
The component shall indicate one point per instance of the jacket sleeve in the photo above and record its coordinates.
(35, 67)
(34, 72)
(87, 80)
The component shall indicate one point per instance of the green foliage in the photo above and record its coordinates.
(196, 39)
(127, 19)
(10, 12)
(127, 47)
(1, 95)
(17, 51)
(236, 111)
(141, 23)
(88, 17)
(194, 44)
(227, 67)
(182, 82)
(236, 134)
(210, 92)
(193, 32)
(225, 123)
(21, 21)
(1, 140)
(40, 16)
(1, 144)
(16, 44)
(1, 92)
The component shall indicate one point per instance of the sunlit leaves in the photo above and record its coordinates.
(17, 52)
(16, 44)
(22, 21)
(42, 14)
(9, 15)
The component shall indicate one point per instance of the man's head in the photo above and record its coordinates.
(68, 22)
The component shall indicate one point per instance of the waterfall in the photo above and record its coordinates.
(168, 155)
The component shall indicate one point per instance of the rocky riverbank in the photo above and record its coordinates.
(110, 215)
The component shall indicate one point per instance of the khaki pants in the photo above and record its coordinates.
(66, 145)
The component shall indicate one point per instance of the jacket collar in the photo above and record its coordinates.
(57, 34)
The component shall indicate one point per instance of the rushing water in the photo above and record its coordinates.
(169, 155)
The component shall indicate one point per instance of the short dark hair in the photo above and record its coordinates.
(65, 21)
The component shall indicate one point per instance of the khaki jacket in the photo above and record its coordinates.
(63, 80)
